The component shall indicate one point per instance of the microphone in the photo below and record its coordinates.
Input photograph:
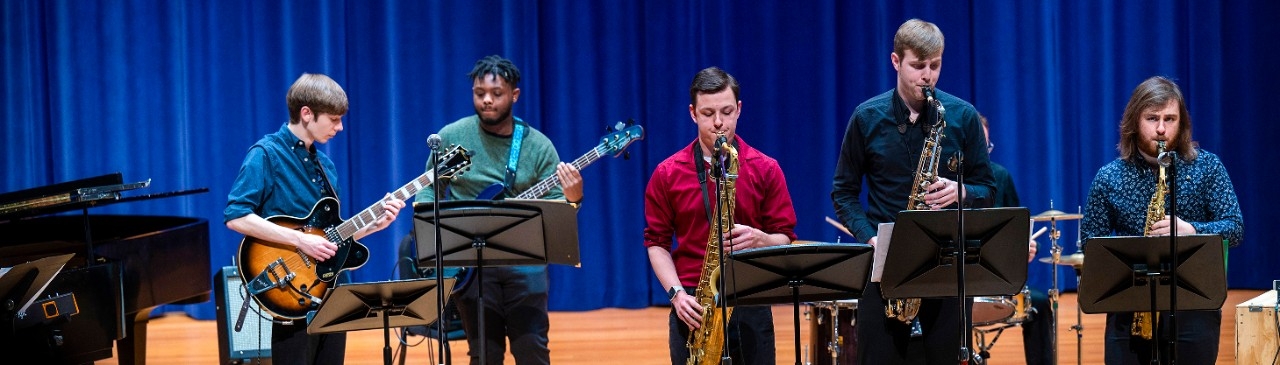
(721, 140)
(433, 141)
(717, 151)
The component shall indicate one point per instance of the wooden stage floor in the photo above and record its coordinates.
(638, 336)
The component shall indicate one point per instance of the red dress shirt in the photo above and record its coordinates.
(673, 205)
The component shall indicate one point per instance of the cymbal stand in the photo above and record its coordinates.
(1056, 251)
(1079, 327)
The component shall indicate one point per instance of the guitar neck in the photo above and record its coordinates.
(542, 187)
(371, 214)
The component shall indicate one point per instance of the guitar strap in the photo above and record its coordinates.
(327, 190)
(517, 139)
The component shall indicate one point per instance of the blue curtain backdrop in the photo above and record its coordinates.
(176, 91)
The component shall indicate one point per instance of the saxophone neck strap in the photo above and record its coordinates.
(701, 166)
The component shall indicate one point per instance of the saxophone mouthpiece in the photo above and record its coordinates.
(930, 98)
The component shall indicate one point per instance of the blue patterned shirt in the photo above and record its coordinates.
(1122, 190)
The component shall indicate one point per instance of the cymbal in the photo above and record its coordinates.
(1075, 259)
(1055, 215)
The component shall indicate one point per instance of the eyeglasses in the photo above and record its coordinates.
(990, 146)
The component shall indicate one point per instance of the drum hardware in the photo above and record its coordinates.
(842, 348)
(997, 314)
(1055, 255)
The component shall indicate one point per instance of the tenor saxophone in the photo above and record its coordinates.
(1144, 322)
(707, 342)
(905, 310)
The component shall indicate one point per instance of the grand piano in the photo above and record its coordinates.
(121, 267)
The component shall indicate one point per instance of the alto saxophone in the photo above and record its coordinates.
(706, 344)
(905, 310)
(1144, 322)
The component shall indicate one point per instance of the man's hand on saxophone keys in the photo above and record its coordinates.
(1161, 228)
(942, 193)
(742, 237)
(687, 309)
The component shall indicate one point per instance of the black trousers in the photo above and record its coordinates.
(291, 345)
(1197, 337)
(750, 336)
(882, 340)
(515, 310)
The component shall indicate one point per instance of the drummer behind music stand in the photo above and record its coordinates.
(792, 273)
(402, 303)
(1121, 271)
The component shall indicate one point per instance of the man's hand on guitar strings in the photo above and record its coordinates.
(317, 247)
(570, 182)
(390, 210)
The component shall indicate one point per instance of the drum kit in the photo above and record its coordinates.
(995, 314)
(833, 339)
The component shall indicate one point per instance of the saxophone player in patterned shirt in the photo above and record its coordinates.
(1121, 195)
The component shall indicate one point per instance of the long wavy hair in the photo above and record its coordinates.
(1155, 92)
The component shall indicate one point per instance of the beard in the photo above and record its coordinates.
(502, 116)
(1148, 147)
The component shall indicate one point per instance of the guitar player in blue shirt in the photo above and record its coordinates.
(283, 174)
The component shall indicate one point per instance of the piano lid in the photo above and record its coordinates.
(75, 194)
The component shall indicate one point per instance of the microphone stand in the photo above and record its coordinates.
(725, 359)
(1169, 160)
(435, 197)
(965, 334)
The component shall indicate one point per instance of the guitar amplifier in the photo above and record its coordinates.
(244, 329)
(1256, 329)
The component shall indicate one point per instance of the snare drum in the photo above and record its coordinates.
(828, 320)
(1002, 309)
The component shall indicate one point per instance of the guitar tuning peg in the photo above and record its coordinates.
(619, 126)
(626, 155)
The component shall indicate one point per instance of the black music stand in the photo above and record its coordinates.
(483, 233)
(1120, 269)
(21, 284)
(920, 261)
(387, 304)
(791, 273)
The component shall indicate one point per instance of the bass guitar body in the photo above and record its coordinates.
(287, 282)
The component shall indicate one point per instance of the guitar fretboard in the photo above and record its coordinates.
(371, 214)
(542, 187)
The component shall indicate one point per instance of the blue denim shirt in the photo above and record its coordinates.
(280, 176)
